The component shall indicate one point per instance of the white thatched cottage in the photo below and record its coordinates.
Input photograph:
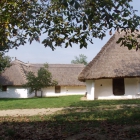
(66, 75)
(114, 73)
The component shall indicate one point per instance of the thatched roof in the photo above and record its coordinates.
(113, 61)
(64, 74)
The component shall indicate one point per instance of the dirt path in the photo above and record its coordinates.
(48, 111)
(29, 112)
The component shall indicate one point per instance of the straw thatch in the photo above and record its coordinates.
(113, 61)
(64, 74)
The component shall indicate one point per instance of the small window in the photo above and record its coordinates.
(118, 87)
(4, 88)
(57, 89)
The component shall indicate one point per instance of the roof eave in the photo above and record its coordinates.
(83, 80)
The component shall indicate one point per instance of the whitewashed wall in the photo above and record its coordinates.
(90, 88)
(65, 90)
(104, 89)
(19, 92)
(13, 92)
(132, 88)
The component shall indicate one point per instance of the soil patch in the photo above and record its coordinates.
(29, 112)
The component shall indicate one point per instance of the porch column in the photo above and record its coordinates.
(65, 90)
(90, 86)
(138, 85)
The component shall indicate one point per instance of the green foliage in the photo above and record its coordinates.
(19, 20)
(80, 60)
(43, 79)
(84, 20)
(66, 21)
(4, 62)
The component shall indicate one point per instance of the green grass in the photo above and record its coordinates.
(100, 117)
(64, 101)
(48, 102)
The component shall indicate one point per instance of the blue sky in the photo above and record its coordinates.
(37, 53)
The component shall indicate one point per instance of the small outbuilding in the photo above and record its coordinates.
(114, 73)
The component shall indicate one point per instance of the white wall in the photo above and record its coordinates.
(19, 92)
(90, 87)
(104, 89)
(132, 87)
(65, 90)
(13, 92)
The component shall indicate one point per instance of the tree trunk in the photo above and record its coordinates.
(35, 93)
(41, 93)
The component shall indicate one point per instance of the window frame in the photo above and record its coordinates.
(4, 88)
(57, 89)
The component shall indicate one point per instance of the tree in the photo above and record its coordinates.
(66, 21)
(5, 61)
(43, 79)
(80, 60)
(19, 20)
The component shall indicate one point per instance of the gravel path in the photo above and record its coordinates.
(29, 112)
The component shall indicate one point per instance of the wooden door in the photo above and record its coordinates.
(118, 86)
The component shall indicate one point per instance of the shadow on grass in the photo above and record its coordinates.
(67, 124)
(104, 102)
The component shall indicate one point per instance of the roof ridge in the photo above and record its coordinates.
(94, 60)
(21, 62)
(34, 64)
(59, 65)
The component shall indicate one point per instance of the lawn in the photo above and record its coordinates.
(48, 102)
(56, 102)
(94, 120)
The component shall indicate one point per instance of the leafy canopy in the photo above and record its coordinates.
(81, 59)
(5, 61)
(41, 80)
(66, 21)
